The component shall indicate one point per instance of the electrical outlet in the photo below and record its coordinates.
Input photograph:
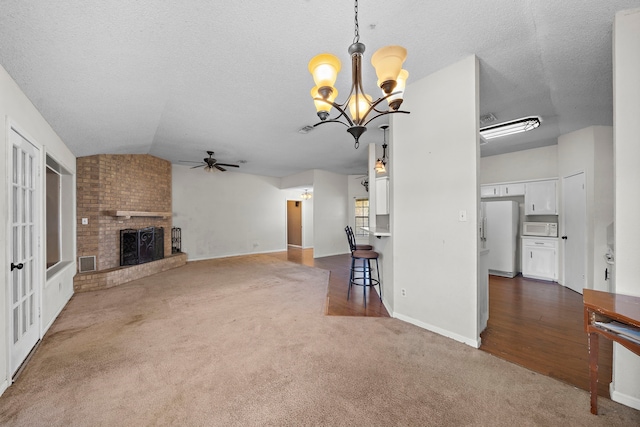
(403, 292)
(85, 221)
(462, 216)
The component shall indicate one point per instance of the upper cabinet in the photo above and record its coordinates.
(540, 198)
(382, 195)
(502, 190)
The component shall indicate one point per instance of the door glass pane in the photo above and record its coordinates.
(15, 204)
(16, 324)
(29, 176)
(16, 281)
(24, 205)
(16, 239)
(31, 309)
(15, 165)
(24, 316)
(23, 157)
(23, 253)
(31, 243)
(30, 213)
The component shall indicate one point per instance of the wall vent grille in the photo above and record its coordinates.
(86, 263)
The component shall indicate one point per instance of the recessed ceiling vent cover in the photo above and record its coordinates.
(305, 129)
(487, 118)
(86, 263)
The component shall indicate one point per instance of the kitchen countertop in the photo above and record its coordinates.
(378, 232)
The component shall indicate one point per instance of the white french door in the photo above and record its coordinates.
(24, 282)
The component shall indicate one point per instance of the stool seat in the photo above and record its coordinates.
(364, 247)
(364, 254)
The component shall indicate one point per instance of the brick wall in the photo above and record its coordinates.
(110, 182)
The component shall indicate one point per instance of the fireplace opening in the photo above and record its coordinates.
(141, 246)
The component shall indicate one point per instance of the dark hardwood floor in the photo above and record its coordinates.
(540, 326)
(338, 265)
(533, 323)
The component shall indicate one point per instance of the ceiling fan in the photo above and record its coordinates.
(209, 163)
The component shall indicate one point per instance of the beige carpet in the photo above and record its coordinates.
(243, 342)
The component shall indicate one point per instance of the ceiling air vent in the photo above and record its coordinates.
(305, 129)
(86, 263)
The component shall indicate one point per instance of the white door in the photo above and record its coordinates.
(574, 227)
(24, 196)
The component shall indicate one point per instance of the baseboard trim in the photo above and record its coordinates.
(235, 255)
(624, 399)
(437, 330)
(4, 386)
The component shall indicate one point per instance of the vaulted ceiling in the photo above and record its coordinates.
(174, 79)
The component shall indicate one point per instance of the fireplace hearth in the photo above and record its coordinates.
(141, 246)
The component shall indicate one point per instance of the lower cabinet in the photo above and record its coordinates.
(540, 258)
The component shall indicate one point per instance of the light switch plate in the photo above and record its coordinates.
(462, 216)
(85, 221)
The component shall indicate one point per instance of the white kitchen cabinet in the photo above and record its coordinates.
(502, 190)
(382, 195)
(540, 258)
(540, 198)
(513, 189)
(489, 191)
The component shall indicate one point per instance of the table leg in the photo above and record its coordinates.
(593, 371)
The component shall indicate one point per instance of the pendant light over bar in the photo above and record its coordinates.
(510, 128)
(392, 79)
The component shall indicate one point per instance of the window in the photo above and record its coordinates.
(362, 217)
(53, 217)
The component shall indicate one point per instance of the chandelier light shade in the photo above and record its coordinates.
(387, 62)
(306, 195)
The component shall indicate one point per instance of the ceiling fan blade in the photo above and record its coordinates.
(226, 164)
(220, 168)
(188, 161)
(193, 167)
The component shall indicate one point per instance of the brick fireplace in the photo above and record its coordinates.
(115, 192)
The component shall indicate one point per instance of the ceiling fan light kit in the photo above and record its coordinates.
(210, 164)
(387, 62)
(524, 124)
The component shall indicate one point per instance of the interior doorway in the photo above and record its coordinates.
(294, 223)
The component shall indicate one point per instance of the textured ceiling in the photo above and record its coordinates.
(174, 79)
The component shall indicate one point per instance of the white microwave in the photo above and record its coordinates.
(547, 229)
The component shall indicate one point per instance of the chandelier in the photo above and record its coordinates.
(306, 195)
(392, 79)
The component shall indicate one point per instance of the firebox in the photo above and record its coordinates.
(140, 246)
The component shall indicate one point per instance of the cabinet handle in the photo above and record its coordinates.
(531, 254)
(507, 190)
(533, 207)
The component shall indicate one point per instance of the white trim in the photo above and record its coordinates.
(437, 330)
(4, 386)
(622, 398)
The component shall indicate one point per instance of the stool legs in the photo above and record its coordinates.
(366, 278)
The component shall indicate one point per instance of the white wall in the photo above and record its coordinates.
(523, 165)
(435, 157)
(17, 108)
(227, 214)
(331, 214)
(626, 113)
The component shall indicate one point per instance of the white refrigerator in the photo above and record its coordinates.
(498, 233)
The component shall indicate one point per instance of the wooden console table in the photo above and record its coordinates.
(614, 316)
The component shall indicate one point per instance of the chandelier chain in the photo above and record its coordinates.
(356, 37)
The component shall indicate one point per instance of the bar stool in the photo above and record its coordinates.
(361, 274)
(352, 241)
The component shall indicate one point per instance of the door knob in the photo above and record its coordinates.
(19, 266)
(564, 237)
